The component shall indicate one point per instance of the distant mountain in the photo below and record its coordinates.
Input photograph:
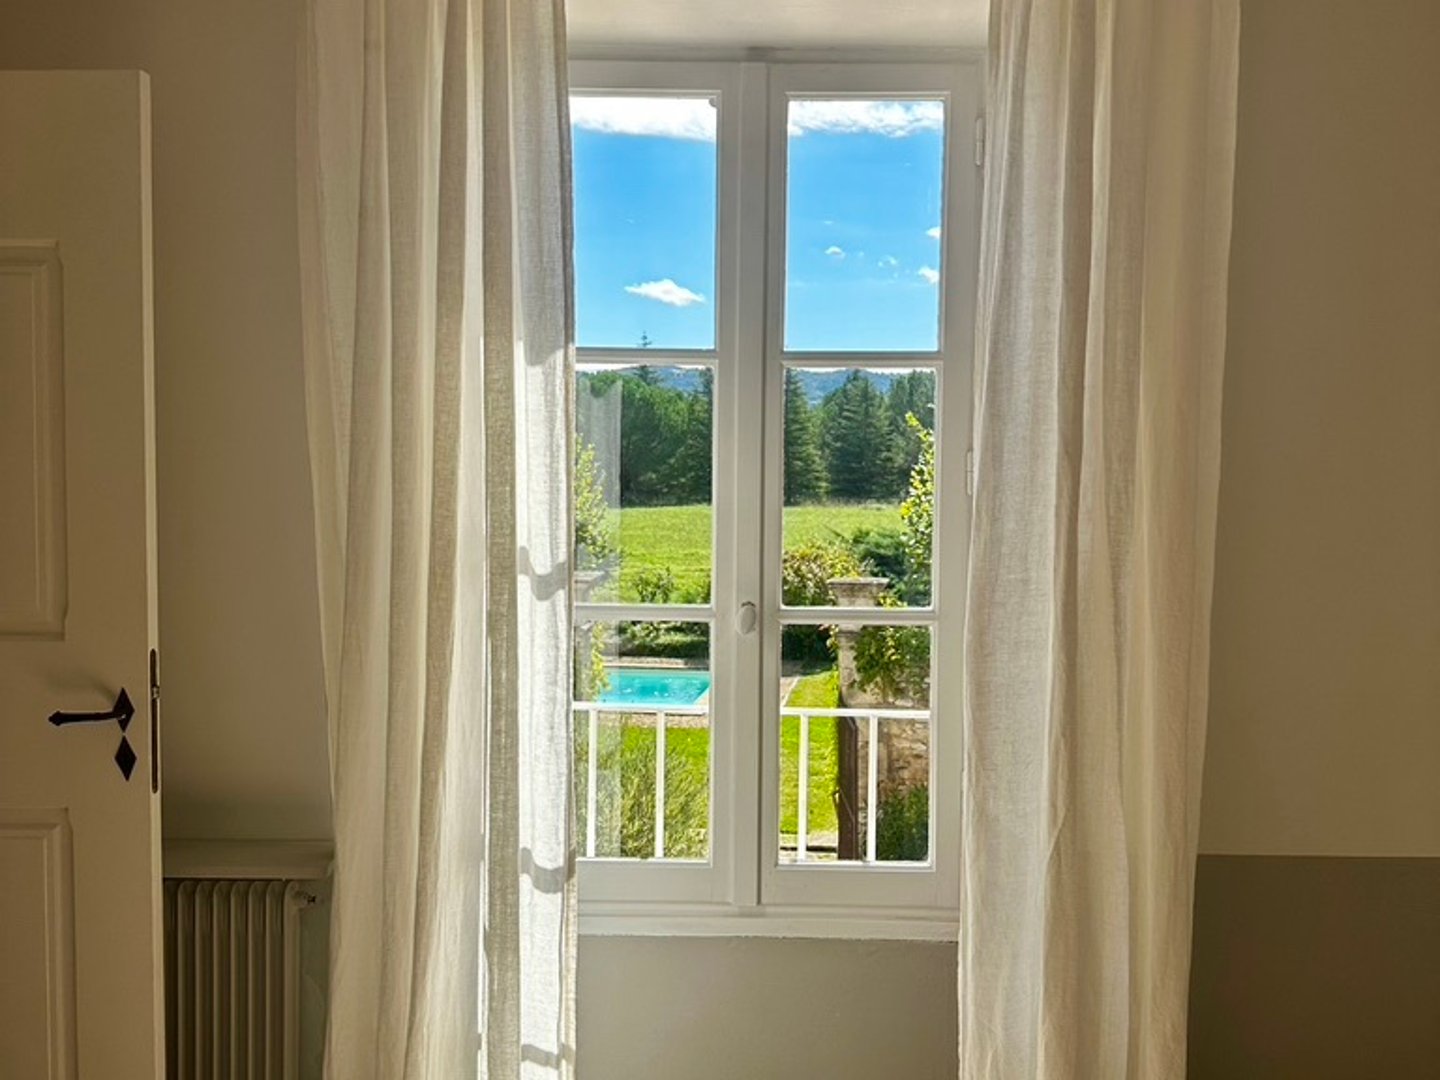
(820, 384)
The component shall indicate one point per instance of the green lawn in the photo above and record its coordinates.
(818, 691)
(677, 538)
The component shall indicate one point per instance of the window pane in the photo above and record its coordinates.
(642, 739)
(863, 218)
(643, 531)
(644, 175)
(859, 461)
(855, 745)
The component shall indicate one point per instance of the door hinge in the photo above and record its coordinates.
(979, 141)
(970, 472)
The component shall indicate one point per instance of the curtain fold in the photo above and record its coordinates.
(435, 268)
(1100, 348)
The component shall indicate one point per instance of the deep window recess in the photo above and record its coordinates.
(775, 269)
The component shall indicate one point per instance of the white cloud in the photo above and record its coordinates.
(835, 252)
(896, 119)
(667, 292)
(933, 233)
(889, 261)
(930, 274)
(670, 118)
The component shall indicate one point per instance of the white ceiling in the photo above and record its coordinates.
(795, 24)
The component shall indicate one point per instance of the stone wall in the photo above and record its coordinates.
(903, 753)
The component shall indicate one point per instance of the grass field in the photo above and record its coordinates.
(677, 538)
(818, 691)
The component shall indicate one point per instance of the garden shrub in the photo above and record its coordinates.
(880, 551)
(894, 661)
(917, 515)
(697, 592)
(675, 640)
(902, 831)
(625, 802)
(595, 542)
(805, 574)
(654, 585)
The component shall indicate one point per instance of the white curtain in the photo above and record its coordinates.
(1101, 341)
(434, 176)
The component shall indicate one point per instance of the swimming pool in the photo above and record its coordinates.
(654, 687)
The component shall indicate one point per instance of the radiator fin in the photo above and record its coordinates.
(232, 992)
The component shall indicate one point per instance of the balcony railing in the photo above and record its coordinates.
(872, 718)
(592, 711)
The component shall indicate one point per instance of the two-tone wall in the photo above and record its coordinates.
(1317, 941)
(1317, 934)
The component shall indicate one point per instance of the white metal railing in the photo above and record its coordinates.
(592, 711)
(872, 718)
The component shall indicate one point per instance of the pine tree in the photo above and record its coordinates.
(863, 459)
(911, 394)
(804, 460)
(694, 462)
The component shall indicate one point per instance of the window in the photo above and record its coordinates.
(775, 266)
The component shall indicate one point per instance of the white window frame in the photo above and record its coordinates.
(609, 881)
(743, 889)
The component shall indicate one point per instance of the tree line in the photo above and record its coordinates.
(854, 445)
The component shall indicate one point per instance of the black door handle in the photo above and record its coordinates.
(122, 713)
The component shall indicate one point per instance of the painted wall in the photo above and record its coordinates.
(753, 1008)
(1326, 684)
(1325, 677)
(1315, 968)
(243, 722)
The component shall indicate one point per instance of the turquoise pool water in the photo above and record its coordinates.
(655, 687)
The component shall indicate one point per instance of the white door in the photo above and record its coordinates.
(80, 938)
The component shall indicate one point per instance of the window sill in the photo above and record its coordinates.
(641, 919)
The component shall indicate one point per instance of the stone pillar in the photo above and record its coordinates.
(584, 583)
(853, 740)
(855, 592)
(902, 758)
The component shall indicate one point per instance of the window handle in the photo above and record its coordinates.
(746, 618)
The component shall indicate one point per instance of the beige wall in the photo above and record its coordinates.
(1325, 678)
(1325, 734)
(753, 1009)
(243, 722)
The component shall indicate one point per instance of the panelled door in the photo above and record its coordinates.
(79, 784)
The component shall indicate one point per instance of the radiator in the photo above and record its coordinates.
(232, 974)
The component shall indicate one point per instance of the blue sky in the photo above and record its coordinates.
(863, 246)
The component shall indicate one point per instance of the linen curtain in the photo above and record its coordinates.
(434, 186)
(1100, 345)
